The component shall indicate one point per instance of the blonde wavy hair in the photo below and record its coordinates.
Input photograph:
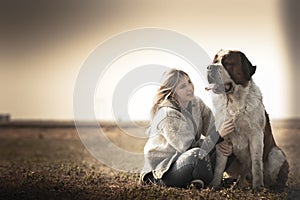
(167, 89)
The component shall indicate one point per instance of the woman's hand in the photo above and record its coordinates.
(225, 148)
(227, 128)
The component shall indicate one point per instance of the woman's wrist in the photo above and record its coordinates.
(221, 133)
(221, 139)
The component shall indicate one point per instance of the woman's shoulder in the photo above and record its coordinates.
(165, 115)
(167, 109)
(170, 111)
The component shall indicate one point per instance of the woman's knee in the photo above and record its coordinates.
(193, 157)
(198, 153)
(202, 165)
(191, 165)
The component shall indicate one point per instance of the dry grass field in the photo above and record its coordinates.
(49, 161)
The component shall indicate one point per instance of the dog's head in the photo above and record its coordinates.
(229, 68)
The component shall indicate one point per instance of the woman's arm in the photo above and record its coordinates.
(213, 136)
(225, 147)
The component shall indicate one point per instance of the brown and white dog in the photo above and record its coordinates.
(236, 96)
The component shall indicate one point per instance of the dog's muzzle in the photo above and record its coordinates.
(213, 74)
(217, 84)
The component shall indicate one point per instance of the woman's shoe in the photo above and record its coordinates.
(198, 183)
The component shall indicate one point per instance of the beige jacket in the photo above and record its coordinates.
(173, 132)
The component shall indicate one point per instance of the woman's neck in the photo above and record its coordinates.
(184, 105)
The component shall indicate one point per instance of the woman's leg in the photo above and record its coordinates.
(190, 165)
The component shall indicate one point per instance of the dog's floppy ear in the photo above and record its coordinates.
(248, 68)
(218, 56)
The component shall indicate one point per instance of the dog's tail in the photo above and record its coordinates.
(269, 141)
(283, 174)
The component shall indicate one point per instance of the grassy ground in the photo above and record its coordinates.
(52, 163)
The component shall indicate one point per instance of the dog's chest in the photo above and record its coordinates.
(245, 129)
(240, 137)
(240, 146)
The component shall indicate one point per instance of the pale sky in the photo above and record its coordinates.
(45, 43)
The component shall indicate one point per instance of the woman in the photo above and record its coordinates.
(175, 154)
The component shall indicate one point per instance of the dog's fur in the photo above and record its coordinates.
(236, 96)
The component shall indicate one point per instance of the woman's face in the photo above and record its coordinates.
(184, 91)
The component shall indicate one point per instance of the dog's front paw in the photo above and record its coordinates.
(257, 184)
(258, 188)
(215, 183)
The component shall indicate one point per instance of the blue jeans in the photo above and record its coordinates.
(188, 167)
